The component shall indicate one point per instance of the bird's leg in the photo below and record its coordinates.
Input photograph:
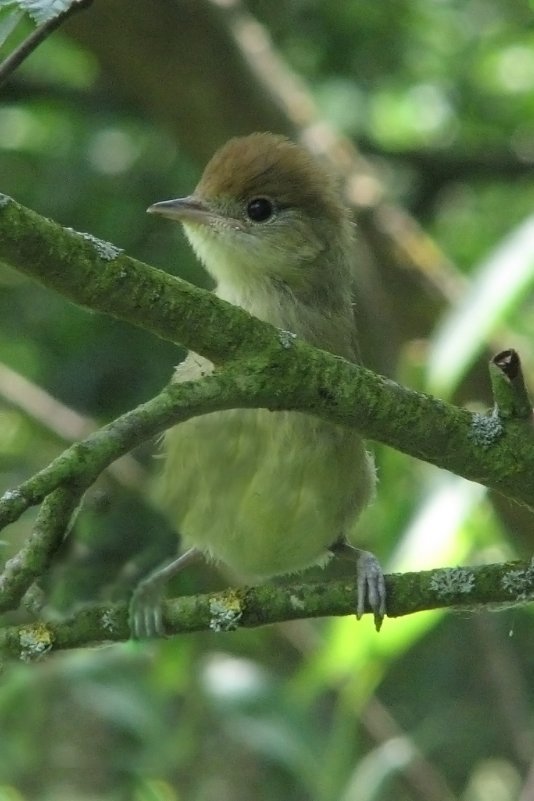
(369, 578)
(145, 614)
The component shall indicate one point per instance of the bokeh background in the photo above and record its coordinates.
(426, 110)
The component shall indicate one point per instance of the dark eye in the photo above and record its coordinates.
(260, 209)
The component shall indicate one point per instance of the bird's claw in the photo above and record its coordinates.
(371, 587)
(146, 610)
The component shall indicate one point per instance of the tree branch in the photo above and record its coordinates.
(34, 557)
(259, 366)
(263, 366)
(84, 461)
(505, 585)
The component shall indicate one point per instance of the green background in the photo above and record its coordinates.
(122, 107)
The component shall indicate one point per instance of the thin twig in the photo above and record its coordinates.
(25, 48)
(51, 526)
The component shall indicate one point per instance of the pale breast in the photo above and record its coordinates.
(265, 492)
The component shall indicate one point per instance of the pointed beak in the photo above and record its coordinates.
(183, 209)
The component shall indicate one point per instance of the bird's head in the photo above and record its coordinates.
(264, 211)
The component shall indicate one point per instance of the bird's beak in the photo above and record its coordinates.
(183, 209)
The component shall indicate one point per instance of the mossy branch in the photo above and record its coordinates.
(99, 276)
(502, 586)
(257, 366)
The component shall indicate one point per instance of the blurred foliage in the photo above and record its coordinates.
(440, 96)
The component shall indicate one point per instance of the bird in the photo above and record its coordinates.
(268, 493)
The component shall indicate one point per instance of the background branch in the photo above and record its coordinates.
(36, 37)
(62, 421)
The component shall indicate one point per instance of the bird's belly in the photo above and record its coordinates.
(264, 492)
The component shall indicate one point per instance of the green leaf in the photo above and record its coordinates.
(498, 285)
(8, 21)
(40, 10)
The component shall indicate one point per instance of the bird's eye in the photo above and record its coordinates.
(260, 209)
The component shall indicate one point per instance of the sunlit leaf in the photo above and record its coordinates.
(41, 10)
(8, 23)
(497, 287)
(433, 537)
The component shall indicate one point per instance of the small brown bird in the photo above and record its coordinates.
(266, 492)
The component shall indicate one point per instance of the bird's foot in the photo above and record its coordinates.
(371, 586)
(146, 609)
(146, 606)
